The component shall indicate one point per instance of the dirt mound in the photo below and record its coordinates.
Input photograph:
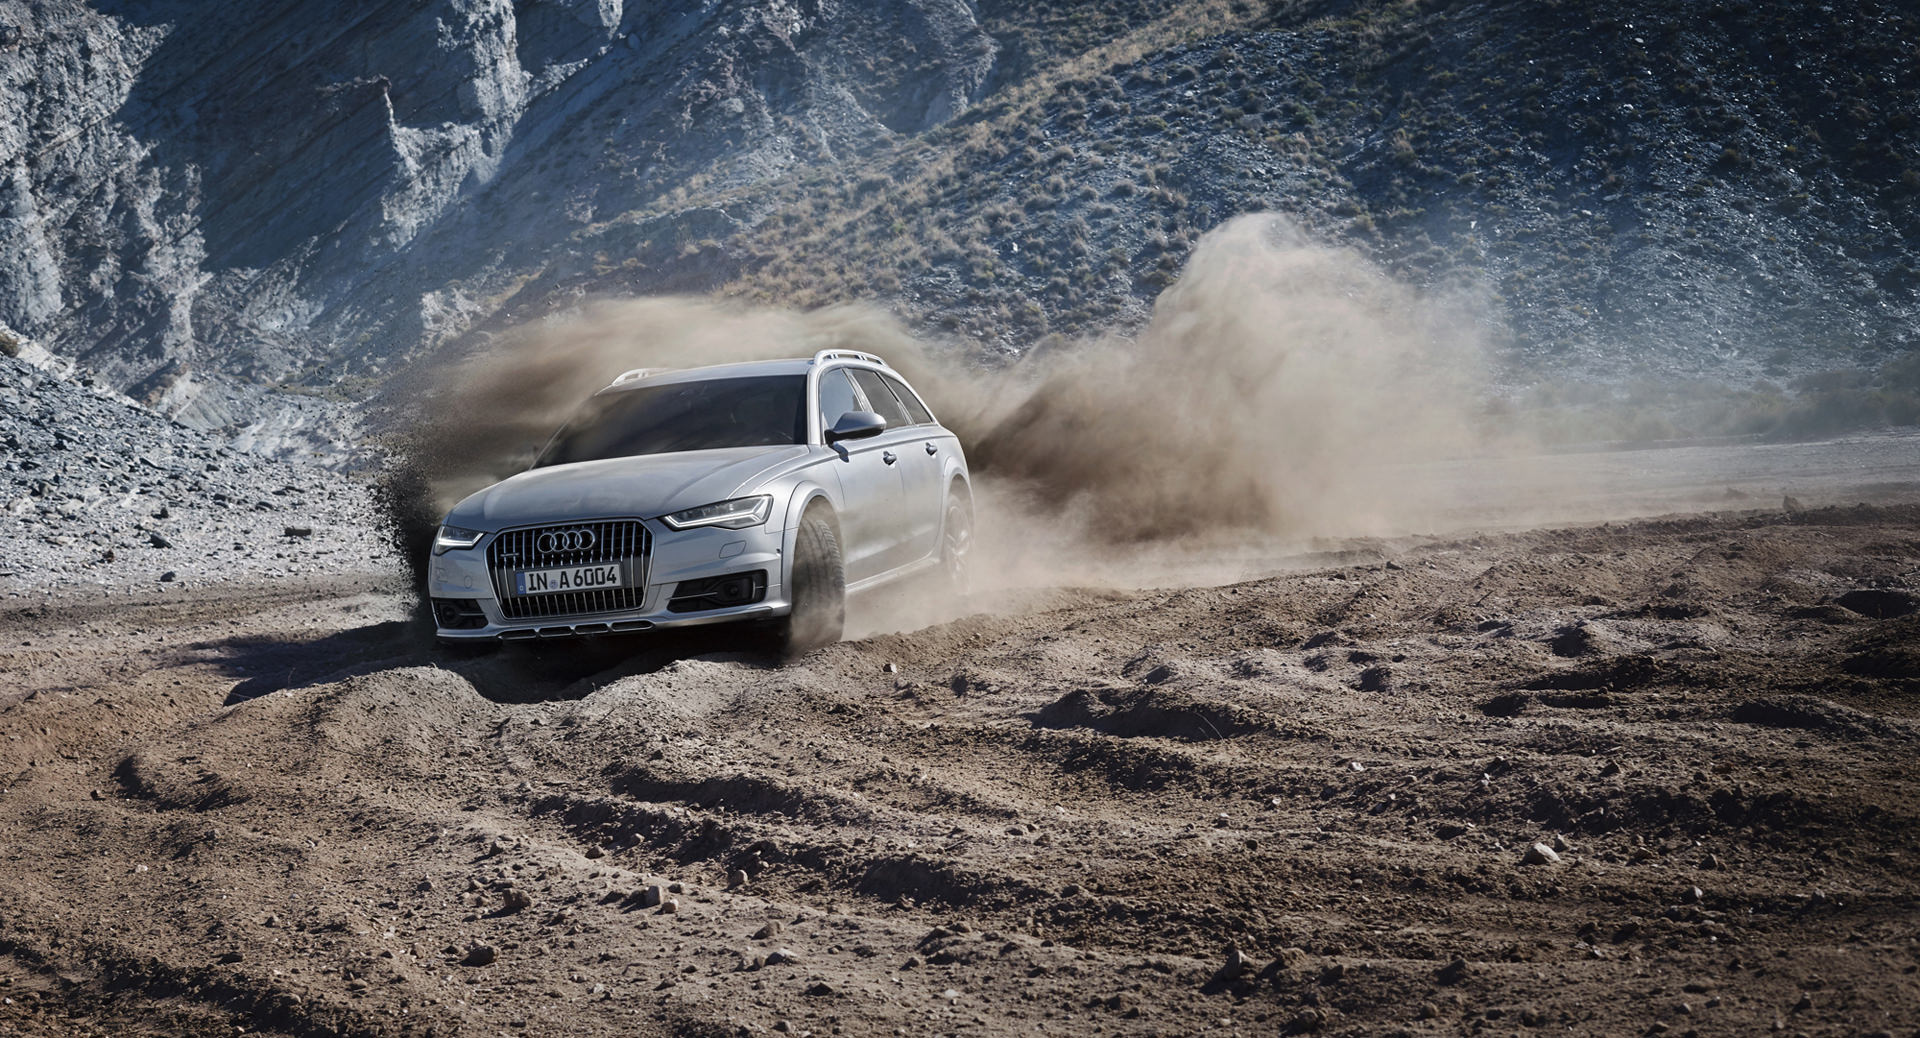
(1159, 713)
(1812, 714)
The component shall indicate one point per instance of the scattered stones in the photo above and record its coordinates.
(480, 955)
(1540, 854)
(737, 878)
(1237, 964)
(516, 900)
(652, 896)
(595, 851)
(1452, 973)
(1307, 1020)
(1693, 895)
(299, 531)
(78, 506)
(169, 577)
(819, 989)
(772, 929)
(670, 906)
(1560, 844)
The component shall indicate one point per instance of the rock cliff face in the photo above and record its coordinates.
(198, 198)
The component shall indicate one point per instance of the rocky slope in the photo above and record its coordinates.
(1725, 190)
(197, 199)
(193, 203)
(97, 492)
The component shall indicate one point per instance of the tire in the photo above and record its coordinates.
(817, 588)
(956, 545)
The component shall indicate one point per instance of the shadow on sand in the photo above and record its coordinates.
(514, 672)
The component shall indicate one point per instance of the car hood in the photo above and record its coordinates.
(646, 486)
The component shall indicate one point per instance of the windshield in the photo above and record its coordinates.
(684, 416)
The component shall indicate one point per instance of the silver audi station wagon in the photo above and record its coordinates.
(742, 492)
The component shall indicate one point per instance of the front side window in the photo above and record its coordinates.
(836, 398)
(707, 414)
(880, 397)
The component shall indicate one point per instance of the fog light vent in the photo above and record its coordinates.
(734, 589)
(458, 614)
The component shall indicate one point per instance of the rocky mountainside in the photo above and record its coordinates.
(1727, 190)
(197, 202)
(198, 198)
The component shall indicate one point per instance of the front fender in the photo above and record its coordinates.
(805, 493)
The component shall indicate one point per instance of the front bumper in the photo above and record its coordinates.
(676, 556)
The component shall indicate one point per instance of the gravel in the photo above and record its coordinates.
(96, 490)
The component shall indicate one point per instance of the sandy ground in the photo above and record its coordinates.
(1302, 803)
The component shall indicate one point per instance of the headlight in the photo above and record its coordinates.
(737, 514)
(451, 537)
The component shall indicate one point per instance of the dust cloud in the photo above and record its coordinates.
(1274, 380)
(1283, 390)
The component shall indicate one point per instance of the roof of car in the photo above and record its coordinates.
(748, 369)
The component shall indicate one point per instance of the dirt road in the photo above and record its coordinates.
(1304, 803)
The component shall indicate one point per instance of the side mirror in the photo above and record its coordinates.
(856, 425)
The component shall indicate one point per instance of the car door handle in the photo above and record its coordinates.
(931, 449)
(889, 457)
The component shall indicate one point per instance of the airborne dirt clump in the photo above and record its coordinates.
(1284, 804)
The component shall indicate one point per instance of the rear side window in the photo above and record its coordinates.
(836, 398)
(880, 397)
(921, 416)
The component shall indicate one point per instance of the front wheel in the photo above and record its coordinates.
(818, 589)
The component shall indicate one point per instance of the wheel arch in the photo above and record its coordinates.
(806, 496)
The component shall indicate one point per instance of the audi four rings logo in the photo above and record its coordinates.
(564, 540)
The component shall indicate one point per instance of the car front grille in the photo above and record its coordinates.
(624, 542)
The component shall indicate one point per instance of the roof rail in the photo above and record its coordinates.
(826, 355)
(635, 375)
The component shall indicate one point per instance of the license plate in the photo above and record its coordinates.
(573, 578)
